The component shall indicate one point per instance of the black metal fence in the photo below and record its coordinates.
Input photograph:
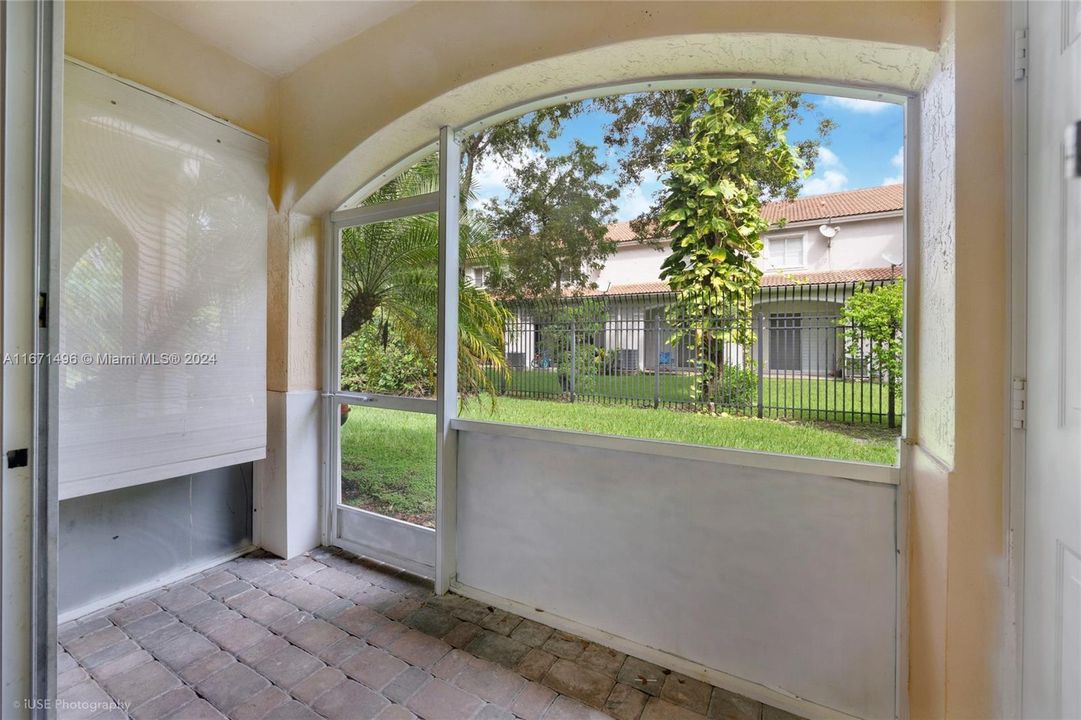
(798, 358)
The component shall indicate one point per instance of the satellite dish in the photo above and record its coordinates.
(828, 231)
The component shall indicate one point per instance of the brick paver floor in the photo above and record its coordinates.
(330, 635)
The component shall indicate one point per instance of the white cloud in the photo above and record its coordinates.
(830, 175)
(635, 200)
(898, 161)
(826, 182)
(827, 158)
(866, 107)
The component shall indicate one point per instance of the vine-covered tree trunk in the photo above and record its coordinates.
(711, 208)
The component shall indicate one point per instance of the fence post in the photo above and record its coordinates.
(657, 367)
(892, 401)
(761, 343)
(574, 363)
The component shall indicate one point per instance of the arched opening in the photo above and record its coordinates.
(473, 507)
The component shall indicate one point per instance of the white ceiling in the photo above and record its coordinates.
(277, 37)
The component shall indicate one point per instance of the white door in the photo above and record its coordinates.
(1051, 667)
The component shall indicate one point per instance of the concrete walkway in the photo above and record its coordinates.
(330, 635)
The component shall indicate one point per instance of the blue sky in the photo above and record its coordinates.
(864, 150)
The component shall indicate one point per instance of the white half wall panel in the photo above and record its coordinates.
(287, 493)
(163, 288)
(784, 581)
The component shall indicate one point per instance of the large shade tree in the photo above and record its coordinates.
(390, 272)
(509, 140)
(553, 225)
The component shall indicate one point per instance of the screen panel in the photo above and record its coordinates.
(388, 311)
(388, 462)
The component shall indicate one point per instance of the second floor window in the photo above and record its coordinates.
(480, 275)
(786, 252)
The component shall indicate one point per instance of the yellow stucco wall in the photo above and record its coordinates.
(958, 572)
(927, 549)
(976, 578)
(321, 113)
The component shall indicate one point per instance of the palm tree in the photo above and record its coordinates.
(392, 267)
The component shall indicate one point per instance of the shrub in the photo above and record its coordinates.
(556, 339)
(737, 387)
(374, 359)
(608, 360)
(873, 343)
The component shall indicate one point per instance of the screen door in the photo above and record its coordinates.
(382, 401)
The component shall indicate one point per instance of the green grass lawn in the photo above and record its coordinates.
(864, 444)
(805, 398)
(388, 463)
(388, 456)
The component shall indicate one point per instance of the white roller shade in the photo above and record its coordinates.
(163, 275)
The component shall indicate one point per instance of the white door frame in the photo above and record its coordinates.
(32, 62)
(1017, 329)
(419, 549)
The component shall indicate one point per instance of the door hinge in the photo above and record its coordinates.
(1019, 401)
(1020, 54)
(1072, 140)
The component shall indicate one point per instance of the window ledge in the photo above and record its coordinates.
(844, 469)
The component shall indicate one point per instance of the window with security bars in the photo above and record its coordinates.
(785, 341)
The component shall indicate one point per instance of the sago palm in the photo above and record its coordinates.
(392, 267)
